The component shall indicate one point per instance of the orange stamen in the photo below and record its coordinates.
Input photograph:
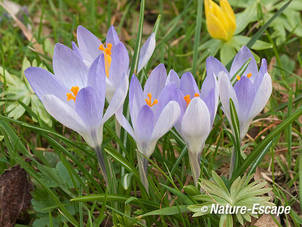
(107, 56)
(73, 95)
(149, 100)
(238, 77)
(187, 99)
(249, 75)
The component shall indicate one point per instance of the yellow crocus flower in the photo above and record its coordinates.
(221, 21)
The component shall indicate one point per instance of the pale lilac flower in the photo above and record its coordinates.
(90, 47)
(198, 110)
(75, 95)
(153, 113)
(250, 92)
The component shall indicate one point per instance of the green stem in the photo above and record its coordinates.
(101, 161)
(194, 158)
(143, 170)
(232, 163)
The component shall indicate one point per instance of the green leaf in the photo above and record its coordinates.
(191, 190)
(247, 16)
(258, 34)
(236, 155)
(259, 44)
(168, 211)
(104, 197)
(64, 176)
(219, 181)
(227, 52)
(182, 197)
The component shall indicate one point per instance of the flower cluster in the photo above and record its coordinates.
(92, 72)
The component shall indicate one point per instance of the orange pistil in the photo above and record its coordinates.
(249, 75)
(238, 77)
(73, 95)
(149, 102)
(188, 99)
(107, 56)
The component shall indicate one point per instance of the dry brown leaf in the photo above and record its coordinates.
(266, 221)
(15, 195)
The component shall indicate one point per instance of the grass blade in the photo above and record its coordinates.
(138, 38)
(253, 156)
(197, 35)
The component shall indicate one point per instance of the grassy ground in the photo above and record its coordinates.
(62, 167)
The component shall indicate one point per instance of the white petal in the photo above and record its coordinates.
(117, 99)
(227, 92)
(196, 124)
(68, 67)
(124, 122)
(146, 52)
(63, 113)
(166, 120)
(262, 96)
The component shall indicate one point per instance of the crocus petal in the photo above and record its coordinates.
(136, 99)
(263, 93)
(68, 67)
(211, 100)
(156, 81)
(210, 94)
(88, 108)
(166, 120)
(240, 59)
(88, 45)
(169, 93)
(124, 122)
(112, 36)
(96, 80)
(214, 67)
(44, 83)
(245, 93)
(173, 78)
(196, 125)
(257, 79)
(119, 64)
(117, 99)
(226, 92)
(146, 52)
(76, 49)
(144, 125)
(63, 113)
(188, 85)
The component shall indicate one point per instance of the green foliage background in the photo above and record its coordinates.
(68, 186)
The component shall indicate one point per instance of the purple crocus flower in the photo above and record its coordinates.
(153, 113)
(198, 110)
(250, 92)
(75, 94)
(114, 50)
